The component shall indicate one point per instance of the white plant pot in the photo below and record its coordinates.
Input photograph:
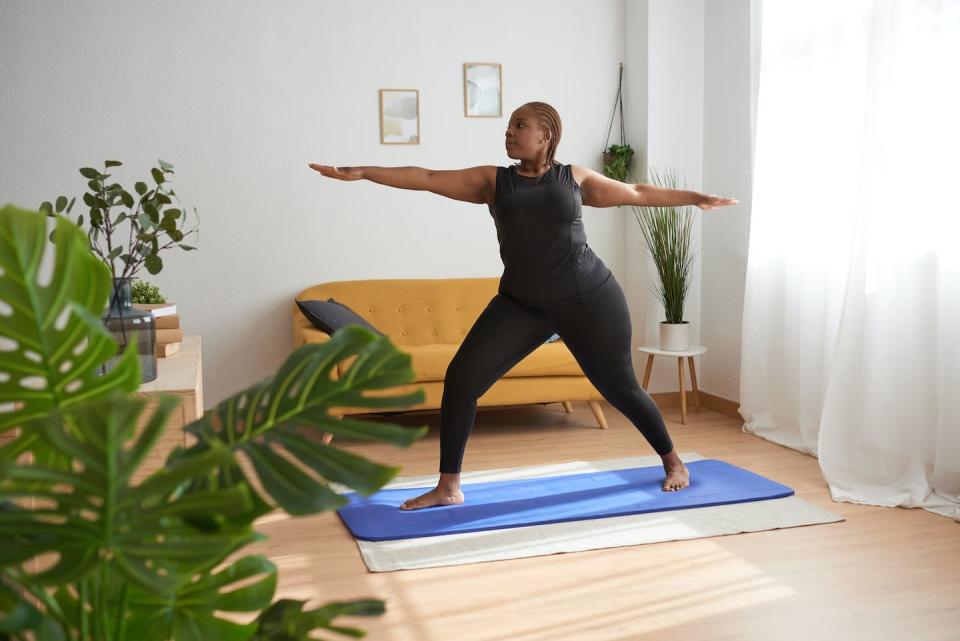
(675, 337)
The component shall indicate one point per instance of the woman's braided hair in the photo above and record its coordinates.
(550, 119)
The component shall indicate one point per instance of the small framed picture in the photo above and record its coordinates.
(400, 116)
(482, 95)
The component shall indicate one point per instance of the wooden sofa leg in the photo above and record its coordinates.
(568, 407)
(327, 436)
(598, 413)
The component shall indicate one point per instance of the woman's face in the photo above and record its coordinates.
(525, 137)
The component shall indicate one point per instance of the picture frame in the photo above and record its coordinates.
(482, 90)
(400, 116)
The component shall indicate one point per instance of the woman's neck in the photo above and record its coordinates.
(525, 167)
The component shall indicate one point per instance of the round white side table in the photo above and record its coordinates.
(695, 350)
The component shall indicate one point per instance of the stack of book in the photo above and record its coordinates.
(167, 323)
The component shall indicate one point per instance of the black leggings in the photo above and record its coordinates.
(595, 327)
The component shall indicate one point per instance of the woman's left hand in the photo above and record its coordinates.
(708, 201)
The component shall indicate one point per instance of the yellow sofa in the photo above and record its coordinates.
(428, 318)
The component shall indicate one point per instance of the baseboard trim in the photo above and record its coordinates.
(710, 401)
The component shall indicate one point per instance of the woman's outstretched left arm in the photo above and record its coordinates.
(600, 191)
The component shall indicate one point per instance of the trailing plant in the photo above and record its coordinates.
(88, 553)
(616, 161)
(149, 218)
(667, 232)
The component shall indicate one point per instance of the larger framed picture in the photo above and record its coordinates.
(400, 116)
(482, 94)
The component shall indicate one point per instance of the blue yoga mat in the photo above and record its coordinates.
(536, 501)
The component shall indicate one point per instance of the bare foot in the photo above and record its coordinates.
(678, 477)
(436, 496)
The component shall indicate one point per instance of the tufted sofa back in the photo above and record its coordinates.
(411, 311)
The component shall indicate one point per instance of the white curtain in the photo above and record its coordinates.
(851, 323)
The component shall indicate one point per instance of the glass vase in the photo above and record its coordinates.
(130, 325)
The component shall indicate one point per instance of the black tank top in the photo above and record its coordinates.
(546, 258)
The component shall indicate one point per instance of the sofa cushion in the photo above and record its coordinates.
(330, 315)
(430, 362)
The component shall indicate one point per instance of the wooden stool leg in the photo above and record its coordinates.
(568, 407)
(683, 394)
(598, 413)
(646, 372)
(693, 379)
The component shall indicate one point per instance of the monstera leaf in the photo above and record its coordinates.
(270, 415)
(51, 337)
(150, 561)
(93, 515)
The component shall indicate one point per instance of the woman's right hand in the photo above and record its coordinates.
(342, 173)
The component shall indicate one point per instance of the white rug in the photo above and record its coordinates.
(577, 536)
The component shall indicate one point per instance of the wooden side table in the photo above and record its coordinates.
(180, 374)
(694, 350)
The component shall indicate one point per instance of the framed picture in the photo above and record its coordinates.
(400, 116)
(482, 96)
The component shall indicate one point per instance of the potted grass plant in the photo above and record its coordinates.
(667, 232)
(87, 553)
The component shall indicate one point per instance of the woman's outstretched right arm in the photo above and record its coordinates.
(475, 185)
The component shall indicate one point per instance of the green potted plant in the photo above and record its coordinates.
(87, 554)
(145, 293)
(617, 158)
(616, 161)
(667, 232)
(152, 217)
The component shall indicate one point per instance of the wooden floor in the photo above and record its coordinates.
(883, 574)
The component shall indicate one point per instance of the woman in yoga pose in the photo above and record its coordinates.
(552, 282)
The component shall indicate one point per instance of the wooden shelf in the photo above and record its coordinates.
(179, 374)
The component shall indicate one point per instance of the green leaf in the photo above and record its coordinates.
(286, 619)
(165, 165)
(135, 526)
(89, 172)
(154, 264)
(141, 188)
(61, 203)
(335, 465)
(127, 199)
(299, 394)
(112, 163)
(59, 324)
(46, 207)
(187, 247)
(157, 176)
(70, 206)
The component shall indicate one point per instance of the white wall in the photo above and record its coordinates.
(241, 96)
(693, 87)
(730, 78)
(664, 46)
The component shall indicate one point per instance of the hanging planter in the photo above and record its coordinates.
(617, 158)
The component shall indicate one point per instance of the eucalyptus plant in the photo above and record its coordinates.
(149, 215)
(667, 232)
(89, 554)
(616, 161)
